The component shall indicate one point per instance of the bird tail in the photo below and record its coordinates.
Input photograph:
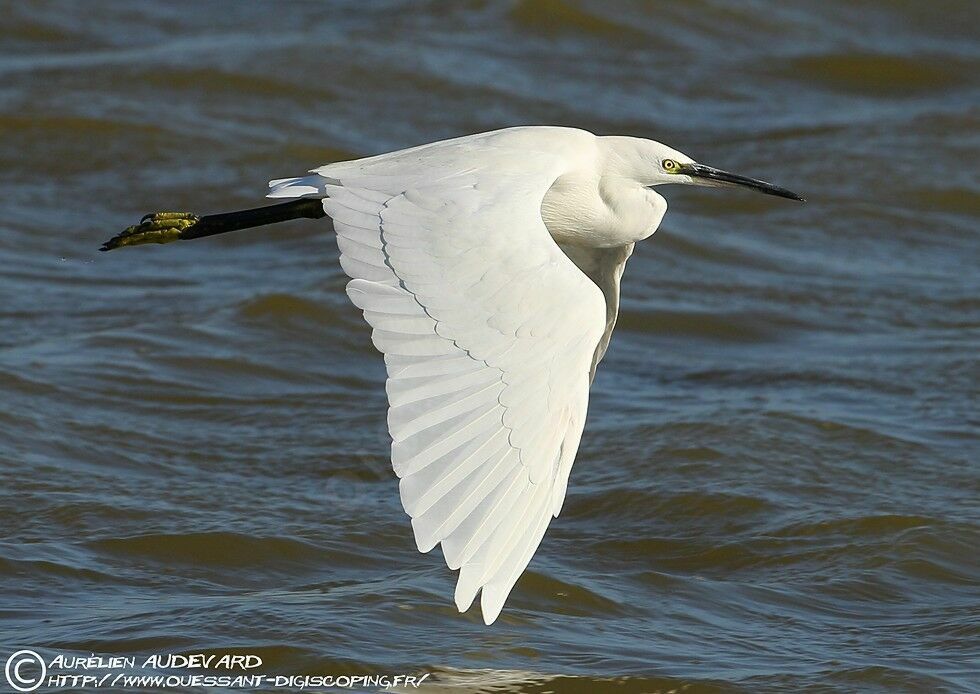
(312, 186)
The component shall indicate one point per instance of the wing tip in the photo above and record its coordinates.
(422, 542)
(467, 588)
(465, 594)
(491, 604)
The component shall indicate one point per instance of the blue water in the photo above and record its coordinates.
(777, 487)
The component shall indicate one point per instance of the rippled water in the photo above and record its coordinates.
(778, 485)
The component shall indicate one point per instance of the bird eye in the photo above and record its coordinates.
(669, 165)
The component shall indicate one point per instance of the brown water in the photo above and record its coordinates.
(778, 486)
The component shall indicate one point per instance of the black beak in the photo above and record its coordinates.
(719, 177)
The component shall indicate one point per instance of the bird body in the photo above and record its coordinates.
(489, 269)
(597, 195)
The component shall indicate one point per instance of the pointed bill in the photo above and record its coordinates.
(708, 175)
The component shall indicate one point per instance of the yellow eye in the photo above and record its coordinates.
(669, 165)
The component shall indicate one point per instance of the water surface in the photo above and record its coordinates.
(777, 488)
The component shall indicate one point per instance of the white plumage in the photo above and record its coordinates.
(488, 268)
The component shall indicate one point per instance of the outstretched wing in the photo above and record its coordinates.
(488, 331)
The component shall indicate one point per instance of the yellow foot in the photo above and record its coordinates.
(159, 227)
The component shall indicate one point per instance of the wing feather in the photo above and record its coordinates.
(488, 331)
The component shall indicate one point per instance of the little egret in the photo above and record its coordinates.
(488, 267)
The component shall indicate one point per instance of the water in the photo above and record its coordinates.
(777, 489)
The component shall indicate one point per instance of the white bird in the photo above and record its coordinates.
(488, 267)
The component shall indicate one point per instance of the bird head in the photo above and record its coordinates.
(657, 164)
